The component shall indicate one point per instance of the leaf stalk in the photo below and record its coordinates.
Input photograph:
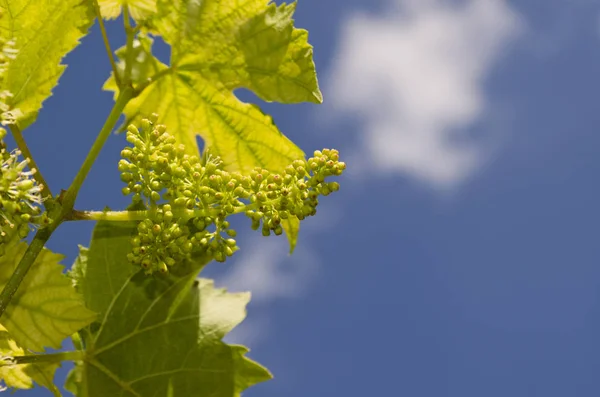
(109, 51)
(140, 215)
(130, 32)
(76, 355)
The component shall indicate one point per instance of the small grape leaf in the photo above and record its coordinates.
(218, 46)
(291, 226)
(44, 32)
(22, 376)
(144, 65)
(46, 308)
(214, 302)
(74, 381)
(138, 9)
(172, 324)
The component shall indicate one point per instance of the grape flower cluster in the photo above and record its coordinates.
(20, 196)
(188, 199)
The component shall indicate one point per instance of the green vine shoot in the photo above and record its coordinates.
(136, 283)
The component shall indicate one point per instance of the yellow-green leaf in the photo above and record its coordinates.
(240, 133)
(22, 376)
(44, 31)
(217, 47)
(291, 226)
(138, 9)
(46, 308)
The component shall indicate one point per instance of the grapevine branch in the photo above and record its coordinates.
(69, 198)
(140, 215)
(42, 236)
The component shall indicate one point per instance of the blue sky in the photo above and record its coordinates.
(461, 256)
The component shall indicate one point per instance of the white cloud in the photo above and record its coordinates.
(414, 76)
(265, 268)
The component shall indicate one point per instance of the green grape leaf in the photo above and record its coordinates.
(74, 381)
(22, 376)
(220, 311)
(46, 308)
(138, 9)
(187, 356)
(218, 46)
(291, 226)
(144, 65)
(100, 272)
(172, 324)
(44, 32)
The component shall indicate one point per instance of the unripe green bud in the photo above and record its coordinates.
(219, 256)
(126, 177)
(23, 230)
(180, 201)
(25, 185)
(155, 196)
(162, 267)
(333, 186)
(146, 263)
(123, 165)
(231, 232)
(132, 129)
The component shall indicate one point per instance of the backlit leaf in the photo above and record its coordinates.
(22, 376)
(217, 47)
(172, 325)
(44, 31)
(46, 308)
(138, 9)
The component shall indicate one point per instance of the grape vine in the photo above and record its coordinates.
(138, 282)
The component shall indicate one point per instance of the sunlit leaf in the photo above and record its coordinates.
(138, 9)
(217, 47)
(22, 376)
(44, 31)
(46, 308)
